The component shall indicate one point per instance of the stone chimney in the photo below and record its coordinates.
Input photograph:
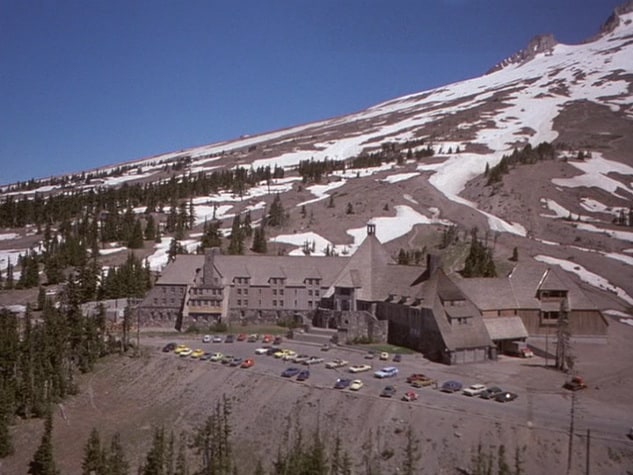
(371, 229)
(433, 262)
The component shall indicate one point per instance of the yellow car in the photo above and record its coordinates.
(180, 348)
(185, 352)
(197, 353)
(384, 356)
(356, 385)
(283, 352)
(290, 354)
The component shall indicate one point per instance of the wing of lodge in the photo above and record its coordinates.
(368, 296)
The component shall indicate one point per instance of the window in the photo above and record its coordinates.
(239, 302)
(309, 303)
(316, 292)
(274, 291)
(274, 303)
(310, 292)
(281, 303)
(281, 291)
(239, 291)
(245, 291)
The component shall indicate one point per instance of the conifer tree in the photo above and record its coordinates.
(43, 462)
(93, 462)
(236, 241)
(116, 461)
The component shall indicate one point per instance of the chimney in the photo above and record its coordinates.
(371, 229)
(433, 262)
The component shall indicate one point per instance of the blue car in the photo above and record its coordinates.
(290, 372)
(388, 372)
(303, 375)
(451, 387)
(342, 383)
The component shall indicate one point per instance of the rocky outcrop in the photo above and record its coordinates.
(539, 44)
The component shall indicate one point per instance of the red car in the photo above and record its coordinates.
(267, 339)
(248, 362)
(410, 396)
(241, 337)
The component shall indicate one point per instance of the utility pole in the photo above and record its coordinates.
(587, 461)
(571, 431)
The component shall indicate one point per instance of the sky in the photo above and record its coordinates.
(85, 84)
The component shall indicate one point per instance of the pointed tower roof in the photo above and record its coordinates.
(365, 267)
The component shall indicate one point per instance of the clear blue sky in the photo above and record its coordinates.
(90, 83)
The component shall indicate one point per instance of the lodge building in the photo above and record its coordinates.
(368, 296)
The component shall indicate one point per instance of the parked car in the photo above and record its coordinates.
(241, 337)
(206, 357)
(277, 340)
(197, 353)
(313, 360)
(474, 390)
(261, 351)
(506, 396)
(388, 391)
(179, 348)
(206, 339)
(491, 392)
(217, 339)
(388, 372)
(575, 384)
(397, 358)
(370, 355)
(252, 338)
(227, 359)
(325, 347)
(301, 358)
(356, 384)
(410, 396)
(342, 383)
(423, 382)
(272, 350)
(414, 376)
(384, 356)
(169, 347)
(359, 368)
(290, 372)
(336, 363)
(248, 363)
(303, 375)
(289, 355)
(217, 356)
(267, 339)
(237, 361)
(451, 387)
(229, 339)
(185, 352)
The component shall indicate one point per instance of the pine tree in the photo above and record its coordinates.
(277, 214)
(236, 242)
(43, 462)
(155, 459)
(116, 461)
(259, 241)
(150, 228)
(94, 458)
(6, 443)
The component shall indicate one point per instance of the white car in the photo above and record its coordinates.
(313, 360)
(388, 372)
(356, 385)
(217, 339)
(261, 351)
(336, 364)
(206, 339)
(474, 390)
(359, 368)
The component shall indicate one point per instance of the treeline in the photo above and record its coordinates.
(39, 359)
(526, 156)
(40, 210)
(313, 171)
(90, 281)
(210, 450)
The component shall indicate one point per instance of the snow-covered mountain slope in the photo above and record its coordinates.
(579, 97)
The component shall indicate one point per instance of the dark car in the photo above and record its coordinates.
(505, 396)
(397, 358)
(290, 372)
(277, 340)
(303, 375)
(206, 356)
(169, 347)
(342, 383)
(388, 391)
(272, 350)
(451, 387)
(491, 392)
(236, 361)
(229, 339)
